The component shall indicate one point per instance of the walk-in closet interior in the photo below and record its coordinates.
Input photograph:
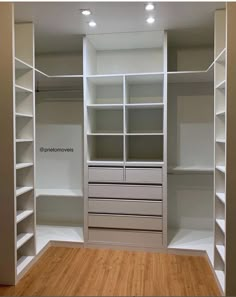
(118, 135)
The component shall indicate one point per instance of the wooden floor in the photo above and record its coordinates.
(91, 272)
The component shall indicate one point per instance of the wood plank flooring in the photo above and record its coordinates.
(101, 272)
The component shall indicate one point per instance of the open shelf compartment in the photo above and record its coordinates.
(105, 120)
(144, 148)
(105, 148)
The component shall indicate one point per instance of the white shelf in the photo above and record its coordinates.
(105, 134)
(105, 162)
(106, 79)
(18, 114)
(220, 113)
(59, 192)
(221, 57)
(23, 238)
(221, 250)
(145, 134)
(145, 78)
(190, 170)
(150, 163)
(140, 162)
(21, 89)
(22, 214)
(221, 168)
(221, 224)
(23, 262)
(144, 105)
(105, 106)
(221, 278)
(219, 140)
(21, 65)
(23, 190)
(221, 197)
(47, 233)
(188, 239)
(24, 140)
(221, 85)
(190, 76)
(23, 165)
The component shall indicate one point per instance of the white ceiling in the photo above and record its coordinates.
(59, 25)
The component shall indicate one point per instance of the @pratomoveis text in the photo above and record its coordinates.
(56, 150)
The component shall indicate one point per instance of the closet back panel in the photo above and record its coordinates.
(190, 201)
(190, 125)
(59, 125)
(129, 61)
(61, 211)
(145, 93)
(190, 59)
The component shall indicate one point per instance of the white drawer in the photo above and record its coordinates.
(117, 206)
(125, 191)
(105, 174)
(124, 221)
(144, 175)
(136, 238)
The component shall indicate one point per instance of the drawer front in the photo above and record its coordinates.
(144, 175)
(105, 174)
(124, 221)
(126, 191)
(137, 238)
(125, 206)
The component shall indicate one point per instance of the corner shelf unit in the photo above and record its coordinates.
(220, 146)
(24, 146)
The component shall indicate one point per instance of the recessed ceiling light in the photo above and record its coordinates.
(92, 24)
(150, 20)
(85, 12)
(149, 7)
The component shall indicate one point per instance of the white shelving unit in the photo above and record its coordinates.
(25, 148)
(220, 144)
(125, 128)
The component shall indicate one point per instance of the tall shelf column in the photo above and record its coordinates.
(17, 203)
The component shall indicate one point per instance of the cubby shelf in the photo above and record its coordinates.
(221, 224)
(106, 162)
(24, 140)
(221, 57)
(23, 165)
(105, 134)
(22, 238)
(18, 114)
(21, 89)
(105, 106)
(23, 262)
(221, 85)
(221, 278)
(220, 140)
(21, 65)
(23, 190)
(106, 79)
(220, 113)
(144, 105)
(221, 197)
(59, 192)
(23, 214)
(221, 250)
(221, 168)
(145, 134)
